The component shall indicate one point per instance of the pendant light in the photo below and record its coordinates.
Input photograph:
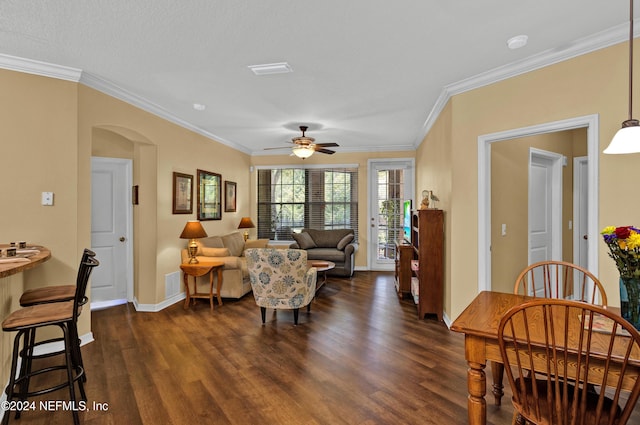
(627, 139)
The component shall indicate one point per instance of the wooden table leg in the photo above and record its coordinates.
(476, 379)
(211, 289)
(497, 370)
(219, 286)
(186, 288)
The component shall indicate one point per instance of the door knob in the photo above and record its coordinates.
(122, 239)
(585, 237)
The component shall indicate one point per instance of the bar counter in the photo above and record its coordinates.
(11, 268)
(12, 284)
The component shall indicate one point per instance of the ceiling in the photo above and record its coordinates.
(370, 75)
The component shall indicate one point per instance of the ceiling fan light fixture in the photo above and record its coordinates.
(303, 151)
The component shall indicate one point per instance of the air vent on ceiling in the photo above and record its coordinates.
(271, 68)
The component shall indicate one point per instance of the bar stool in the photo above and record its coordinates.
(53, 294)
(58, 293)
(26, 321)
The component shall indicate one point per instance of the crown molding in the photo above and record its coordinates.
(30, 66)
(117, 92)
(580, 47)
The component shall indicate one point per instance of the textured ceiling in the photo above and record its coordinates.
(367, 74)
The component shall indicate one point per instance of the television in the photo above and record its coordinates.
(406, 220)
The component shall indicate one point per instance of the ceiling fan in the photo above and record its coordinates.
(305, 146)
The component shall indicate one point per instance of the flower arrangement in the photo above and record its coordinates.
(624, 248)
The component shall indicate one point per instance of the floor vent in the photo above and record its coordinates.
(172, 284)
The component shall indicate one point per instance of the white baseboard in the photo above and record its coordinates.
(99, 305)
(153, 308)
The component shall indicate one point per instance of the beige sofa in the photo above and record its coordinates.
(230, 250)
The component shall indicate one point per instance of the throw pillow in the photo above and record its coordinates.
(215, 252)
(235, 242)
(255, 243)
(210, 242)
(345, 241)
(304, 240)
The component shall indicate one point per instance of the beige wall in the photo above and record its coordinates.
(433, 172)
(595, 83)
(114, 128)
(509, 200)
(39, 154)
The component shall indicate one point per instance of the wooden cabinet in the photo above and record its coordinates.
(427, 240)
(404, 255)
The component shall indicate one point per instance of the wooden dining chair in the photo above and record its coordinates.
(560, 279)
(567, 345)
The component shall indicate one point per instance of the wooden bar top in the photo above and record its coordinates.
(8, 269)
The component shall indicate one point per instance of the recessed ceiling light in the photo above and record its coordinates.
(271, 68)
(199, 106)
(517, 42)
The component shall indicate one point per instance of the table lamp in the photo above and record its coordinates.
(193, 230)
(246, 223)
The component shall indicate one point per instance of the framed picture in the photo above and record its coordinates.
(229, 196)
(209, 196)
(182, 193)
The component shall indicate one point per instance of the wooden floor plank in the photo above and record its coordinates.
(360, 356)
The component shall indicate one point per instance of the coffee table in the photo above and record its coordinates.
(322, 267)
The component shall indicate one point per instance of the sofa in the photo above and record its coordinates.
(229, 249)
(335, 245)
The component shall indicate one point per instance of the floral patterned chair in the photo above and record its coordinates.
(280, 279)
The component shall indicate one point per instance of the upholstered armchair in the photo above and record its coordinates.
(280, 279)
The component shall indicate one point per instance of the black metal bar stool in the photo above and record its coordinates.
(58, 293)
(26, 321)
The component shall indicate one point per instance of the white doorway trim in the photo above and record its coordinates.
(590, 122)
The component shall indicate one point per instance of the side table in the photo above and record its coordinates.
(200, 269)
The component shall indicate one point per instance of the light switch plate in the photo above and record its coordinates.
(47, 198)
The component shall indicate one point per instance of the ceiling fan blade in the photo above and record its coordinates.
(281, 147)
(327, 151)
(327, 145)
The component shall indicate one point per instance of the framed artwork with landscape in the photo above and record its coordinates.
(209, 195)
(182, 193)
(229, 196)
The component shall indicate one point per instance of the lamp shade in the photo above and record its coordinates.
(193, 230)
(246, 223)
(626, 140)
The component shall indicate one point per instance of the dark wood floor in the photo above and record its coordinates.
(360, 357)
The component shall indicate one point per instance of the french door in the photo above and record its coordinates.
(390, 184)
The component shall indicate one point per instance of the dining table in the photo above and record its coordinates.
(479, 323)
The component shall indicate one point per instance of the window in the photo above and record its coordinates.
(290, 199)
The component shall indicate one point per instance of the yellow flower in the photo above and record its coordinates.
(608, 230)
(633, 241)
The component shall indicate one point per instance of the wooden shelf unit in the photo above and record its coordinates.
(427, 240)
(403, 274)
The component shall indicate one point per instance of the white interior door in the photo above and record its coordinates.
(111, 283)
(545, 208)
